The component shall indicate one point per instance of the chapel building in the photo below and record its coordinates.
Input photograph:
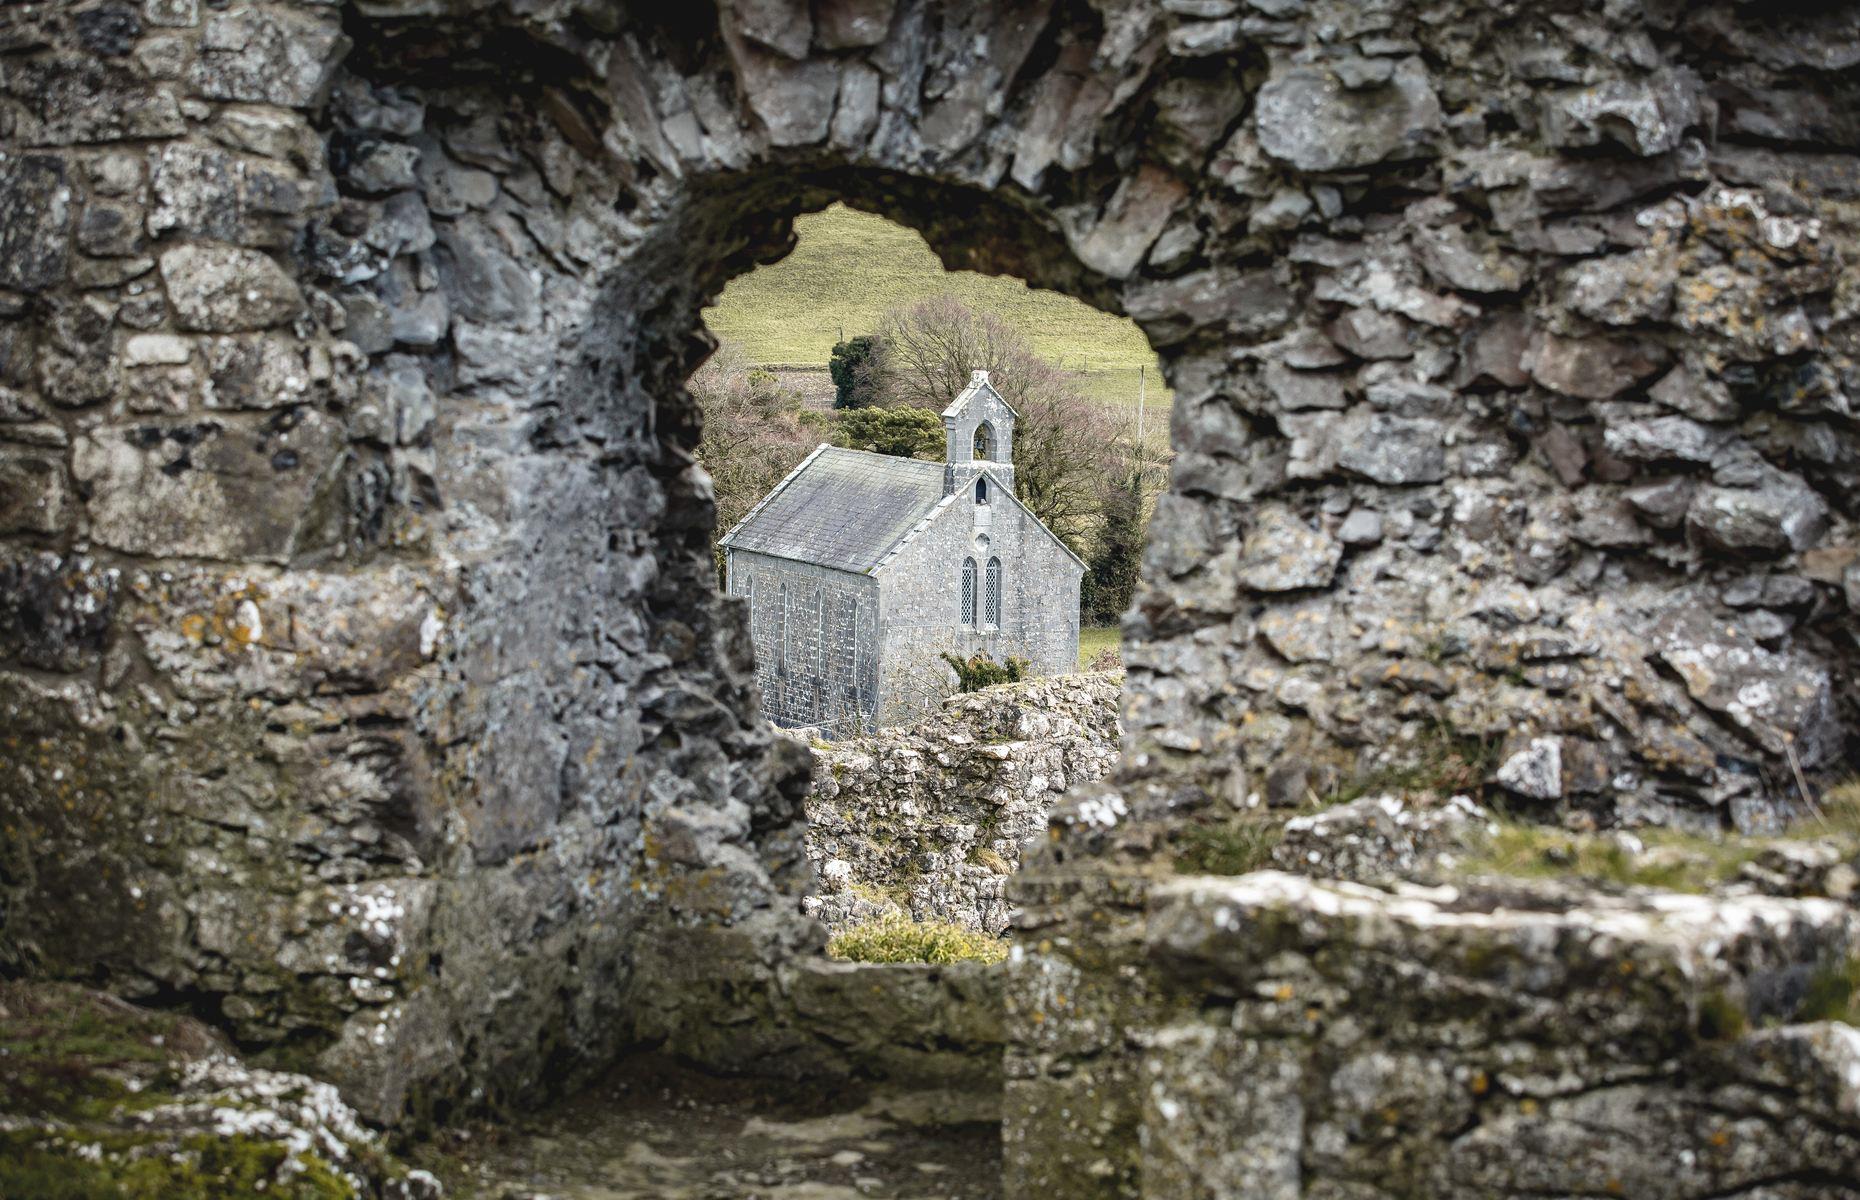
(860, 569)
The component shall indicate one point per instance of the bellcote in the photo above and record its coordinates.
(978, 431)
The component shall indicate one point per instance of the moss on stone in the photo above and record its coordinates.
(101, 1166)
(1234, 848)
(1442, 761)
(1673, 860)
(101, 1098)
(1833, 993)
(1721, 1018)
(65, 1052)
(902, 940)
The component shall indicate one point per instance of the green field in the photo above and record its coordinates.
(849, 267)
(1092, 639)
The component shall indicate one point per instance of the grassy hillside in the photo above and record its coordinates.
(849, 267)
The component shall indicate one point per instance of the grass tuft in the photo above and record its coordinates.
(1673, 860)
(1721, 1019)
(984, 856)
(1443, 762)
(1833, 994)
(902, 940)
(1231, 849)
(1100, 648)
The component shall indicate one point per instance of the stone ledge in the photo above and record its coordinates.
(1496, 1039)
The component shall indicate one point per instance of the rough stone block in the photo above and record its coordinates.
(1310, 116)
(33, 492)
(1223, 1115)
(222, 289)
(268, 55)
(35, 221)
(206, 489)
(54, 612)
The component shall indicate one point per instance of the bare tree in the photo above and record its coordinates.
(1061, 437)
(755, 432)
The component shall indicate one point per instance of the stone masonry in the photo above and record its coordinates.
(362, 681)
(1492, 1044)
(933, 819)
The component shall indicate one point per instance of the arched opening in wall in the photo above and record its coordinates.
(861, 339)
(602, 706)
(872, 513)
(361, 569)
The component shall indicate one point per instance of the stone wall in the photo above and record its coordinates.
(931, 820)
(816, 636)
(1542, 431)
(1485, 1042)
(363, 684)
(923, 601)
(361, 679)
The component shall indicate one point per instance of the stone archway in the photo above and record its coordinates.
(354, 562)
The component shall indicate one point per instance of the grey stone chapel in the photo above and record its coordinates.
(860, 569)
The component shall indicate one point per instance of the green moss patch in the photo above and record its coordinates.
(1230, 849)
(100, 1098)
(1833, 994)
(71, 1054)
(902, 940)
(87, 1166)
(1442, 762)
(1672, 860)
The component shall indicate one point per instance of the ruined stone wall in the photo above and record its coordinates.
(355, 558)
(363, 686)
(1493, 1043)
(932, 819)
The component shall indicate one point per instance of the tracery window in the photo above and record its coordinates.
(968, 591)
(991, 611)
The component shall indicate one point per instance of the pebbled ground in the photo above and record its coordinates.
(654, 1132)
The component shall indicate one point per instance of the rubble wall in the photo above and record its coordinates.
(931, 820)
(361, 673)
(1494, 1042)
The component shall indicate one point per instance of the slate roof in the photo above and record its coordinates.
(841, 508)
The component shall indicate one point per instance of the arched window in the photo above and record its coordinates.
(991, 609)
(984, 442)
(781, 629)
(820, 626)
(849, 617)
(968, 591)
(981, 491)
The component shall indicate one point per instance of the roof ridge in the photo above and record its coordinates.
(905, 458)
